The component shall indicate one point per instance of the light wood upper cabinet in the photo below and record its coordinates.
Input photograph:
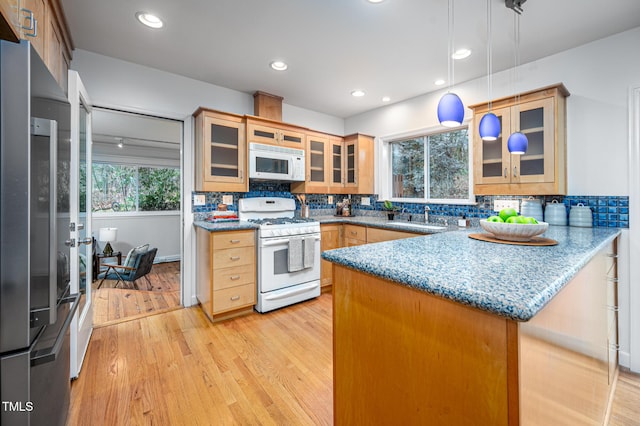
(274, 133)
(358, 164)
(541, 116)
(317, 165)
(33, 24)
(43, 24)
(221, 152)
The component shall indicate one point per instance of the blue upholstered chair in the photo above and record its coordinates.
(137, 265)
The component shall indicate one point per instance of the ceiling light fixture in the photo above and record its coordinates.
(149, 19)
(439, 82)
(489, 128)
(517, 142)
(375, 1)
(278, 65)
(386, 99)
(461, 54)
(357, 93)
(450, 107)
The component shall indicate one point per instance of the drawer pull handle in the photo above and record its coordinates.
(234, 257)
(615, 256)
(234, 298)
(234, 241)
(612, 308)
(235, 277)
(354, 233)
(612, 279)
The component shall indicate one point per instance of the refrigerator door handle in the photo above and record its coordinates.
(50, 354)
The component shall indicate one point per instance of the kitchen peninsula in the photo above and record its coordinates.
(445, 329)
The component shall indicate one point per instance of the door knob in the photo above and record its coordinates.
(70, 243)
(88, 241)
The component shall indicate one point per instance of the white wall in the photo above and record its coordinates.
(115, 83)
(158, 230)
(598, 76)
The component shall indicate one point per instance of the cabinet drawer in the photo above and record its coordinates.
(234, 297)
(233, 257)
(355, 232)
(225, 240)
(233, 277)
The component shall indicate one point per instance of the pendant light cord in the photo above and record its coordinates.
(450, 46)
(489, 53)
(516, 30)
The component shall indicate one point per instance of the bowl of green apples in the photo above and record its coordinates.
(508, 225)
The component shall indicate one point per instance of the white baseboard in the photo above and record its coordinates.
(624, 359)
(171, 258)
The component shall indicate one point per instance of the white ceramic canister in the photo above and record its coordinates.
(555, 213)
(532, 208)
(581, 216)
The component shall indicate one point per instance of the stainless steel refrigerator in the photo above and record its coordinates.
(35, 305)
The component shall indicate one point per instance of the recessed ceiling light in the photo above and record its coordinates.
(375, 1)
(149, 20)
(386, 99)
(278, 65)
(357, 93)
(439, 82)
(461, 54)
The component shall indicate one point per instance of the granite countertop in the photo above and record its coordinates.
(384, 223)
(224, 226)
(512, 281)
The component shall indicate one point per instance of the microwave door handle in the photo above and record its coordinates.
(53, 234)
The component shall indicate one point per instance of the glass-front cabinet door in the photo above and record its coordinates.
(336, 163)
(351, 163)
(535, 121)
(221, 152)
(493, 158)
(317, 149)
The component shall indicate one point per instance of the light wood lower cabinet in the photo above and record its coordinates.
(347, 235)
(226, 272)
(442, 362)
(331, 238)
(377, 235)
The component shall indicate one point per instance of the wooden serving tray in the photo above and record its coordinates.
(535, 241)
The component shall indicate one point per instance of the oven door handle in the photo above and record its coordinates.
(279, 241)
(298, 290)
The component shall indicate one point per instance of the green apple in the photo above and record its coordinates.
(516, 219)
(494, 219)
(530, 220)
(507, 213)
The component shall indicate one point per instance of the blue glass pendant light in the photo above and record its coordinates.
(450, 110)
(489, 128)
(450, 107)
(517, 143)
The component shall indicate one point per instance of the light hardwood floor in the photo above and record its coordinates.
(177, 368)
(113, 305)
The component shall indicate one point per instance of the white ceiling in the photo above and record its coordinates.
(397, 48)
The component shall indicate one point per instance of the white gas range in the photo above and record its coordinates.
(288, 252)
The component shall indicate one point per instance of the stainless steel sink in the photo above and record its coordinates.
(419, 226)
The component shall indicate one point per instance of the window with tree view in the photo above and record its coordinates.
(127, 188)
(434, 166)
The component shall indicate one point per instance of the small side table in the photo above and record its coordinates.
(97, 262)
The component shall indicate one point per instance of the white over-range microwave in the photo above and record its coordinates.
(271, 162)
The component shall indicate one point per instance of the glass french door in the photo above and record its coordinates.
(80, 220)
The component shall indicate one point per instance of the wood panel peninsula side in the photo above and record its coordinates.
(449, 330)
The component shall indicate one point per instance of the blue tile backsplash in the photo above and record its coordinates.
(608, 211)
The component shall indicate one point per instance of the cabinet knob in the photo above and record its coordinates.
(234, 298)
